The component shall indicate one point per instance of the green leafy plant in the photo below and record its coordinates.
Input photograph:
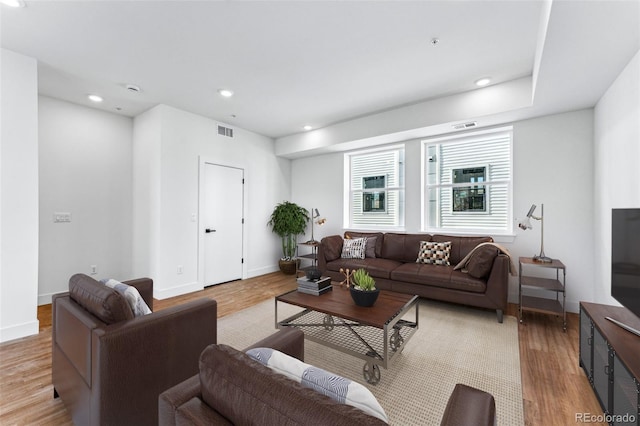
(288, 220)
(363, 280)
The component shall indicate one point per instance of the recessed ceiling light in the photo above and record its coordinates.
(13, 3)
(483, 81)
(95, 98)
(225, 92)
(307, 127)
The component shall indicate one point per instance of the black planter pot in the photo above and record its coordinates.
(364, 298)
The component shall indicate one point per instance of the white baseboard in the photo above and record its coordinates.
(19, 330)
(262, 271)
(177, 290)
(45, 299)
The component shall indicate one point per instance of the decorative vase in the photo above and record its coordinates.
(288, 267)
(313, 274)
(364, 298)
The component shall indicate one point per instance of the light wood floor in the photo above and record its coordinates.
(553, 385)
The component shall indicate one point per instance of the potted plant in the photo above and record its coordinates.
(288, 220)
(363, 291)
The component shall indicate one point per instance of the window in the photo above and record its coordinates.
(469, 198)
(467, 183)
(373, 201)
(374, 188)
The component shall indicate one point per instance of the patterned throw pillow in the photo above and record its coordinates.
(335, 387)
(131, 295)
(434, 253)
(354, 248)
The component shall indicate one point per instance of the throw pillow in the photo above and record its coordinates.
(370, 248)
(434, 253)
(481, 261)
(335, 387)
(103, 302)
(131, 295)
(354, 248)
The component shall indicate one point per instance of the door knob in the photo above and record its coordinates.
(208, 231)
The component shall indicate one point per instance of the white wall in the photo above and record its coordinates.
(553, 165)
(85, 170)
(552, 158)
(617, 159)
(174, 141)
(146, 192)
(18, 196)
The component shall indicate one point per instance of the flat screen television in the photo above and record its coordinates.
(625, 258)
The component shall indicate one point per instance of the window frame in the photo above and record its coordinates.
(461, 138)
(349, 191)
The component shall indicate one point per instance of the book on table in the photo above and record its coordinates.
(315, 287)
(314, 292)
(318, 284)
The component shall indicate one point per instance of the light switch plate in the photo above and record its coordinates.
(61, 217)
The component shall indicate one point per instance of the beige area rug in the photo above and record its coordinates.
(454, 344)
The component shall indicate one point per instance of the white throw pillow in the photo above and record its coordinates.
(131, 295)
(354, 248)
(335, 387)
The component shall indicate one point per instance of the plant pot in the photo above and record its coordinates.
(364, 298)
(288, 267)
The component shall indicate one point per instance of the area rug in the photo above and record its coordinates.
(454, 344)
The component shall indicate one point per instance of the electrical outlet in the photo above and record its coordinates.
(179, 269)
(94, 269)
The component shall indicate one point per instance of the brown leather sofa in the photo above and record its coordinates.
(391, 261)
(109, 367)
(232, 388)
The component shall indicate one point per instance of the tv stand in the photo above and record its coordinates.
(609, 357)
(623, 325)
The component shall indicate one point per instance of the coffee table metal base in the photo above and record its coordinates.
(378, 347)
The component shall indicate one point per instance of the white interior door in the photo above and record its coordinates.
(222, 223)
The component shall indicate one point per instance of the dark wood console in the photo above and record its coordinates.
(610, 356)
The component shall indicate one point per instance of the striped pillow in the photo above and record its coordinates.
(335, 387)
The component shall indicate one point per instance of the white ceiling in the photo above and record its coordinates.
(292, 63)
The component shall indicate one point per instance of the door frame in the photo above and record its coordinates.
(202, 161)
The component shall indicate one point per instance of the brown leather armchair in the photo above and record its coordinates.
(109, 367)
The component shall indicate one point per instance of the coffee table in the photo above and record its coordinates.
(376, 334)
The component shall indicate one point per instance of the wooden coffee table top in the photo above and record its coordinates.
(338, 302)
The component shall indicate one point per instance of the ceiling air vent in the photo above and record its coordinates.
(465, 125)
(225, 131)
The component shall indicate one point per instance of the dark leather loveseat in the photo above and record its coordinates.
(391, 261)
(109, 367)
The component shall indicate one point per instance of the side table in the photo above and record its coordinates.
(309, 256)
(555, 285)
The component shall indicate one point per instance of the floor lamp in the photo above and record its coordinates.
(315, 218)
(526, 224)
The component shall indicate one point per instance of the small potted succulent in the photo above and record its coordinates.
(363, 291)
